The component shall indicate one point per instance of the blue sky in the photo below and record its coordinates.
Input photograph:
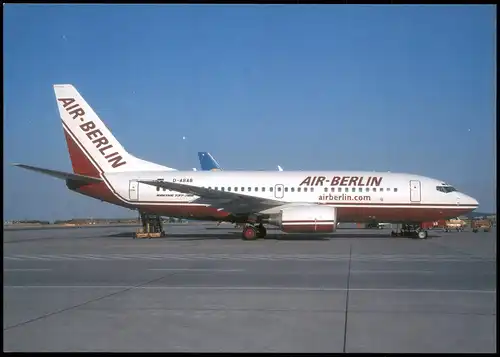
(327, 87)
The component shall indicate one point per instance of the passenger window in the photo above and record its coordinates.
(374, 189)
(256, 189)
(263, 189)
(222, 189)
(339, 189)
(360, 189)
(298, 189)
(353, 189)
(229, 189)
(249, 189)
(305, 189)
(396, 189)
(216, 188)
(286, 189)
(236, 189)
(388, 189)
(292, 189)
(279, 189)
(381, 190)
(270, 189)
(312, 189)
(326, 189)
(367, 189)
(243, 189)
(332, 189)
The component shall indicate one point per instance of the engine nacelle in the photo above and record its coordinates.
(306, 219)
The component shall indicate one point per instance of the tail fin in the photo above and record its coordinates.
(86, 132)
(207, 162)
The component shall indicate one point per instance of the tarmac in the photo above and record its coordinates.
(203, 289)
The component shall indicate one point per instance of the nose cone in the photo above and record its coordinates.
(469, 201)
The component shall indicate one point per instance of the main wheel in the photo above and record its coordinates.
(422, 234)
(249, 233)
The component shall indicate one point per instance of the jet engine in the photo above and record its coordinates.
(306, 219)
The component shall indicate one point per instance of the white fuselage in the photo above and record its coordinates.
(341, 189)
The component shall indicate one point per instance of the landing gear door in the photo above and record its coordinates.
(414, 191)
(133, 190)
(278, 191)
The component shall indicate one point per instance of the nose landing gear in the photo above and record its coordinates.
(411, 231)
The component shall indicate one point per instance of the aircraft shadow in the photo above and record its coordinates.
(270, 236)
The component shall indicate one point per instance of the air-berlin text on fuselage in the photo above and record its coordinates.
(342, 181)
(90, 130)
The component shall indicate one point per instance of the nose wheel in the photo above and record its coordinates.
(422, 234)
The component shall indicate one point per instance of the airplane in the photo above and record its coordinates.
(293, 201)
(208, 162)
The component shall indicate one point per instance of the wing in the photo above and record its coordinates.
(236, 203)
(60, 174)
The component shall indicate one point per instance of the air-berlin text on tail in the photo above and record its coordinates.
(342, 181)
(89, 127)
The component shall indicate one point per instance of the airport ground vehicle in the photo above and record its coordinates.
(293, 201)
(481, 224)
(454, 224)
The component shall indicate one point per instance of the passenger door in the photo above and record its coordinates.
(414, 191)
(133, 190)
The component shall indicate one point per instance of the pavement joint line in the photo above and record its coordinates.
(27, 269)
(395, 271)
(82, 304)
(263, 288)
(197, 269)
(312, 310)
(347, 298)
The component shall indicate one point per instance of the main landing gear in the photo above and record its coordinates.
(252, 232)
(151, 226)
(411, 231)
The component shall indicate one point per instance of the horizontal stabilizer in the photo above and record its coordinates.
(61, 175)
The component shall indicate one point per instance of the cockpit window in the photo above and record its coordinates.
(445, 189)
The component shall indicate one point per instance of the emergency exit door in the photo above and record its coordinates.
(414, 191)
(133, 191)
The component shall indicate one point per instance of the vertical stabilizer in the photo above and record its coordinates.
(85, 131)
(207, 162)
